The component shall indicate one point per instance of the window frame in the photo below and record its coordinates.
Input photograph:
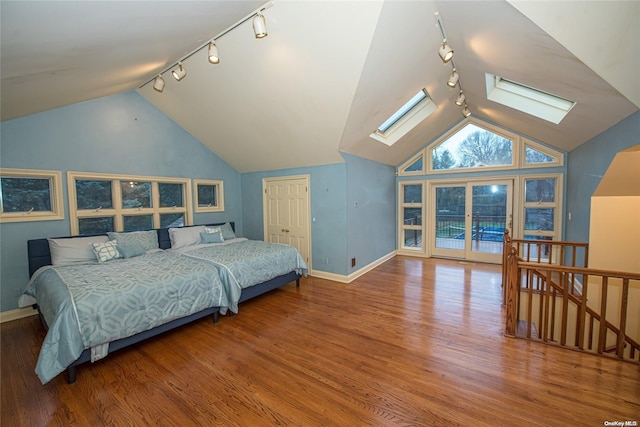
(118, 212)
(557, 205)
(402, 227)
(220, 195)
(527, 143)
(55, 191)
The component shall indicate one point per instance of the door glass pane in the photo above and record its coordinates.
(540, 190)
(489, 217)
(450, 211)
(413, 239)
(26, 194)
(170, 195)
(137, 222)
(412, 193)
(538, 219)
(97, 225)
(91, 194)
(136, 194)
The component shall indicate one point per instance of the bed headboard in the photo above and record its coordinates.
(39, 254)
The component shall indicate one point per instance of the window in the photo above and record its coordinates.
(537, 155)
(529, 100)
(411, 212)
(540, 215)
(472, 146)
(209, 195)
(30, 195)
(413, 166)
(99, 203)
(418, 108)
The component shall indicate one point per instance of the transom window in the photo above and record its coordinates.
(30, 195)
(99, 203)
(472, 147)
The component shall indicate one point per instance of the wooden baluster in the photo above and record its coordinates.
(513, 284)
(565, 308)
(581, 319)
(623, 318)
(529, 301)
(545, 302)
(602, 336)
(552, 330)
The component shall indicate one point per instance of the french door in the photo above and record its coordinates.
(468, 219)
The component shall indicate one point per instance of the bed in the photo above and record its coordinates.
(159, 290)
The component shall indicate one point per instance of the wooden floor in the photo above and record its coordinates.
(415, 342)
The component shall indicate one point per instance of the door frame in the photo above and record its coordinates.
(265, 182)
(468, 183)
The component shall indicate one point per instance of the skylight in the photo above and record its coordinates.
(529, 100)
(418, 108)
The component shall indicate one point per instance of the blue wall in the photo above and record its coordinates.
(371, 210)
(121, 134)
(328, 212)
(586, 166)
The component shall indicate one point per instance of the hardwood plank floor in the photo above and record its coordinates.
(415, 342)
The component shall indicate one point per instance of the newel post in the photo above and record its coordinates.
(506, 248)
(512, 293)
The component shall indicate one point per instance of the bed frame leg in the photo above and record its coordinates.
(71, 374)
(215, 317)
(298, 282)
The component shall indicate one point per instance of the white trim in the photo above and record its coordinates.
(356, 274)
(18, 313)
(219, 207)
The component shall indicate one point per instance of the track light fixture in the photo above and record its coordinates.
(158, 83)
(259, 26)
(214, 56)
(445, 52)
(465, 111)
(453, 78)
(179, 73)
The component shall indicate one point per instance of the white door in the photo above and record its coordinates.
(286, 212)
(470, 219)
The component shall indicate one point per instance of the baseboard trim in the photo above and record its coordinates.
(18, 313)
(353, 276)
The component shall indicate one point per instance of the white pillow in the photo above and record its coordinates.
(106, 251)
(185, 236)
(74, 250)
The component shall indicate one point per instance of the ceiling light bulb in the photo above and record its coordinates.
(465, 111)
(259, 26)
(214, 56)
(453, 79)
(445, 52)
(179, 73)
(158, 83)
(460, 99)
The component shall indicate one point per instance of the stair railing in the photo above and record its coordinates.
(547, 301)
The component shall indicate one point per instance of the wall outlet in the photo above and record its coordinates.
(353, 262)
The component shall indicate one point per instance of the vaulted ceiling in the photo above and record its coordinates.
(328, 73)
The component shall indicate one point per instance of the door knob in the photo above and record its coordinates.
(285, 230)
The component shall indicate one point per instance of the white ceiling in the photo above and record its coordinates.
(328, 73)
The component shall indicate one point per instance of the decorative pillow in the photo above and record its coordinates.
(227, 232)
(212, 230)
(73, 250)
(211, 237)
(130, 250)
(185, 236)
(148, 239)
(106, 251)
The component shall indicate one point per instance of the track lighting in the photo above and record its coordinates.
(259, 26)
(453, 79)
(158, 83)
(445, 52)
(179, 73)
(465, 111)
(460, 99)
(214, 56)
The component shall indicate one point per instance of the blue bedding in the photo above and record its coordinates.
(245, 263)
(88, 305)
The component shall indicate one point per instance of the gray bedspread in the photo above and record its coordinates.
(89, 305)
